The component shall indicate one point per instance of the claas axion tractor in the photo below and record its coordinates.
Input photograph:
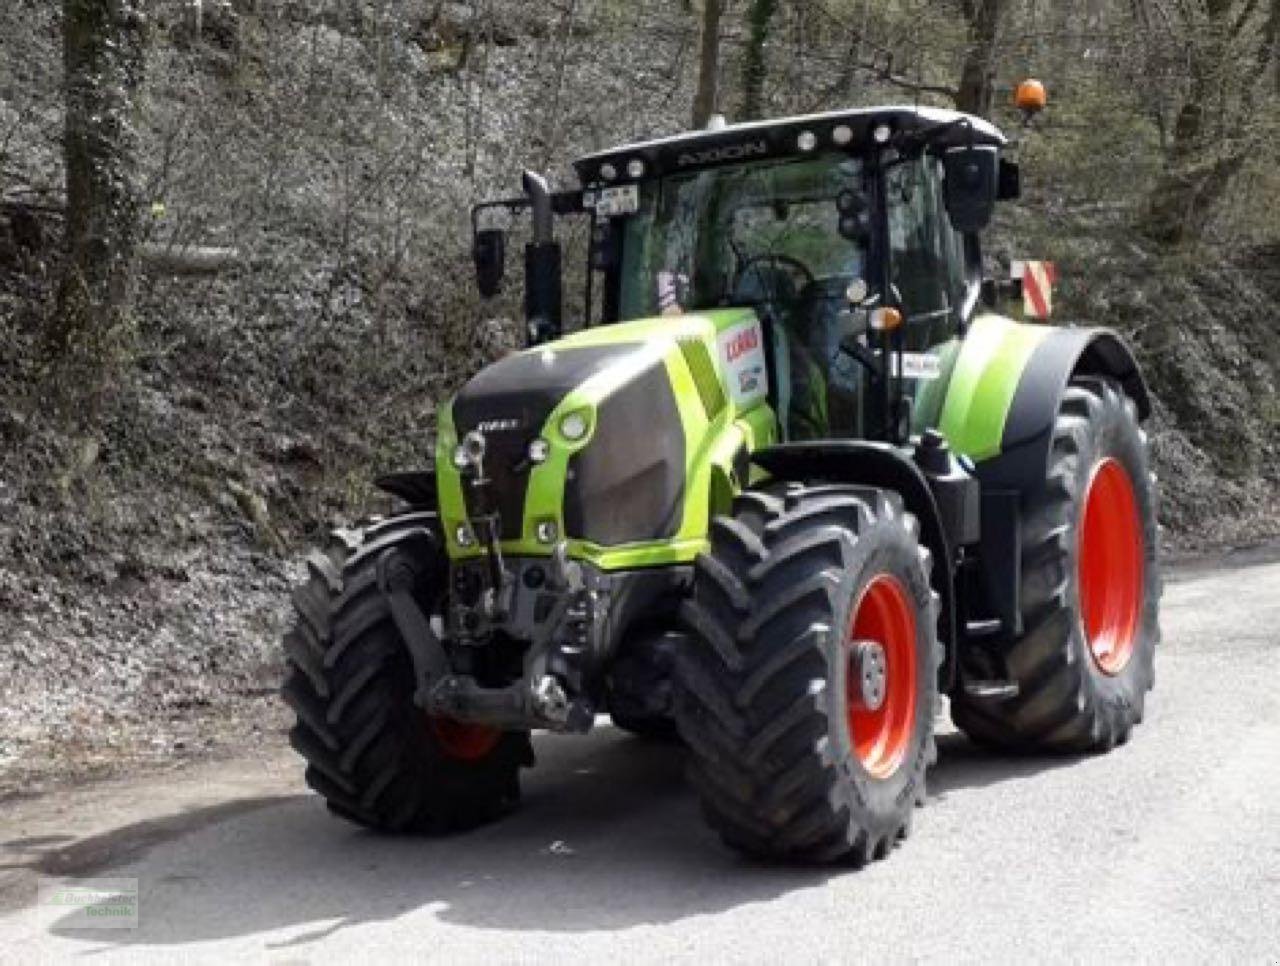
(790, 479)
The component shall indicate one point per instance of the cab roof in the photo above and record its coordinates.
(778, 138)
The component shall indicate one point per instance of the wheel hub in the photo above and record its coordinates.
(881, 682)
(1110, 567)
(871, 672)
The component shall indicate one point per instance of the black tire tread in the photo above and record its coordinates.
(1056, 708)
(753, 706)
(348, 683)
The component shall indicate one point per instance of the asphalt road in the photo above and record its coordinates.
(1166, 849)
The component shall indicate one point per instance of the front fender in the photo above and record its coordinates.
(885, 467)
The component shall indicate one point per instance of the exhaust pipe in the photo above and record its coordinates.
(535, 186)
(543, 297)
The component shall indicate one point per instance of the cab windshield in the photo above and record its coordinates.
(749, 234)
(785, 237)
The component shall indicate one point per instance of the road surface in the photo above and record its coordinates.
(1167, 849)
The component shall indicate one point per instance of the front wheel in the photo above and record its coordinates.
(807, 698)
(375, 757)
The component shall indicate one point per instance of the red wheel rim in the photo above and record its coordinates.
(462, 741)
(1110, 567)
(880, 737)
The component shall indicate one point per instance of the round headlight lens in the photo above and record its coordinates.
(608, 172)
(842, 134)
(807, 141)
(539, 450)
(574, 426)
(464, 536)
(546, 531)
(461, 458)
(857, 292)
(882, 133)
(635, 168)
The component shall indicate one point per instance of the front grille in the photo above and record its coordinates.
(519, 392)
(507, 467)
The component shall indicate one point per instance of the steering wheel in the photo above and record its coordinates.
(786, 261)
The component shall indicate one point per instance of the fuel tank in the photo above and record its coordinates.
(619, 441)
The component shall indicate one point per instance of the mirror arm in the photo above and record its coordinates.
(562, 203)
(539, 195)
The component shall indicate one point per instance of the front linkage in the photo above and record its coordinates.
(558, 606)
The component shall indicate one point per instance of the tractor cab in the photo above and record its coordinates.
(851, 234)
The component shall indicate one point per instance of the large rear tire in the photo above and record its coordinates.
(375, 757)
(791, 756)
(1090, 591)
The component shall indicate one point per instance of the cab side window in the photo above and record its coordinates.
(957, 259)
(915, 239)
(926, 253)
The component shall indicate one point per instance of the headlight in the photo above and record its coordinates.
(546, 531)
(461, 459)
(574, 426)
(464, 536)
(635, 168)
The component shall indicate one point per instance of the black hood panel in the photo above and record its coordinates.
(509, 402)
(528, 386)
(627, 485)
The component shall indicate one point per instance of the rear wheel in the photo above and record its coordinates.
(375, 757)
(1090, 592)
(808, 700)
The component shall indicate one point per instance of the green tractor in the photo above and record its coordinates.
(789, 481)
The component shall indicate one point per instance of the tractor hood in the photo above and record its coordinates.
(605, 439)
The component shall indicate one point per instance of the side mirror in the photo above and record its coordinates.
(489, 251)
(972, 185)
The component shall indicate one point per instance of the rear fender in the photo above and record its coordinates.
(1012, 452)
(1000, 411)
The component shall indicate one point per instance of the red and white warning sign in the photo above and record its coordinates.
(1037, 287)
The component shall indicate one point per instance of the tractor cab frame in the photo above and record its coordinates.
(854, 234)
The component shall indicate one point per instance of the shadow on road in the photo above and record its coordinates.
(963, 764)
(608, 838)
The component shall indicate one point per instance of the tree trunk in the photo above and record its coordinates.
(707, 98)
(978, 72)
(1271, 44)
(755, 62)
(1183, 201)
(103, 60)
(1200, 163)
